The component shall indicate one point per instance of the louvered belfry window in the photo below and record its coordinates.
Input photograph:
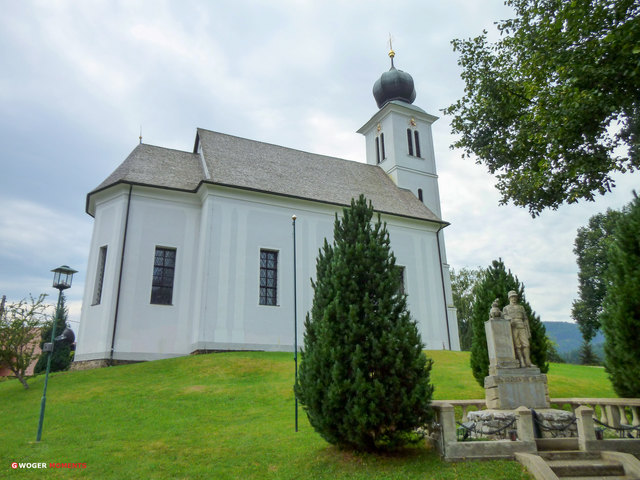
(410, 142)
(268, 277)
(164, 266)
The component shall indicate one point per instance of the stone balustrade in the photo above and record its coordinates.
(614, 412)
(464, 405)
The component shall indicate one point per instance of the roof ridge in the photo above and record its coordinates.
(163, 148)
(286, 148)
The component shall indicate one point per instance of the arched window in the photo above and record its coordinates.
(410, 141)
(384, 155)
(377, 151)
(415, 133)
(420, 195)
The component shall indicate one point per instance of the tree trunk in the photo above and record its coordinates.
(23, 380)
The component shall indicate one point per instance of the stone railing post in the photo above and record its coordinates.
(635, 412)
(447, 423)
(586, 432)
(613, 415)
(525, 424)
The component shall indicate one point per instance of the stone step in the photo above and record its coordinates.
(586, 468)
(554, 444)
(570, 455)
(608, 477)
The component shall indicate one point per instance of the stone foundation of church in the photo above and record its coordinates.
(100, 363)
(204, 351)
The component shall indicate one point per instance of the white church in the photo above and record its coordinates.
(193, 251)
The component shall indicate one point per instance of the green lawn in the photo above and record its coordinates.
(220, 416)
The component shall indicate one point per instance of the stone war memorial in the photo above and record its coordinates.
(518, 420)
(513, 381)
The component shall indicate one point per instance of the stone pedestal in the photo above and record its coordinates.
(511, 388)
(508, 385)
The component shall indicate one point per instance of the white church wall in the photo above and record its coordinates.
(245, 223)
(144, 331)
(218, 234)
(158, 218)
(417, 250)
(94, 333)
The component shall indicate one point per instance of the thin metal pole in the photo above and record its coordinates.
(295, 318)
(444, 292)
(117, 309)
(46, 377)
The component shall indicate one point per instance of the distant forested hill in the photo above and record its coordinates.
(569, 339)
(567, 336)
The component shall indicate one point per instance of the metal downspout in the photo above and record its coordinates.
(124, 243)
(444, 292)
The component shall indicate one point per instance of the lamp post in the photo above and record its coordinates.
(62, 277)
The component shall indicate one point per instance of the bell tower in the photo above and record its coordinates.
(399, 139)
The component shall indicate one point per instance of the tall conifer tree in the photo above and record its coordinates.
(496, 283)
(364, 378)
(620, 319)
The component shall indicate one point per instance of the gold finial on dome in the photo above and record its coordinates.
(391, 52)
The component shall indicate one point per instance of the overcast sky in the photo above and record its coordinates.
(79, 78)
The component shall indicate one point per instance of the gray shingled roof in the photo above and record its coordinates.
(242, 163)
(158, 167)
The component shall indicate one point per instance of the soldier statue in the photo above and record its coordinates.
(514, 312)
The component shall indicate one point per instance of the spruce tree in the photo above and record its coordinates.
(61, 359)
(496, 283)
(587, 355)
(364, 378)
(620, 319)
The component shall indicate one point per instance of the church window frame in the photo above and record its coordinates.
(268, 285)
(384, 155)
(420, 195)
(97, 286)
(403, 282)
(410, 141)
(164, 268)
(377, 150)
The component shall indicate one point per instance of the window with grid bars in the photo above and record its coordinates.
(97, 290)
(268, 277)
(164, 266)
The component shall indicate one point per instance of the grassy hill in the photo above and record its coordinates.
(222, 416)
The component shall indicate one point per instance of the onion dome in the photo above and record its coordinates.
(394, 85)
